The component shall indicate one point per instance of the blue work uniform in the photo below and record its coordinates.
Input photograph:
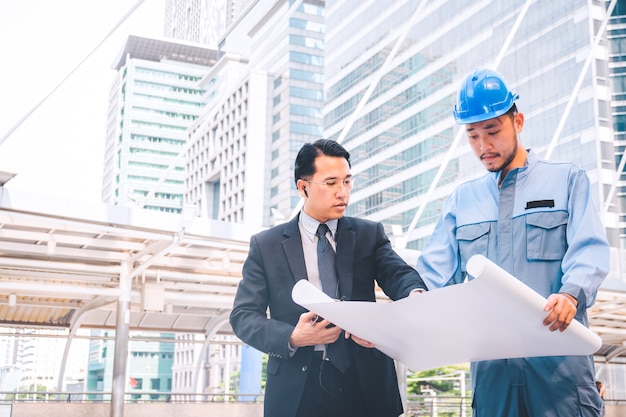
(542, 227)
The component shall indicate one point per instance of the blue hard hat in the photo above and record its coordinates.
(483, 95)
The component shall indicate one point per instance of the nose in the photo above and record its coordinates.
(483, 143)
(342, 189)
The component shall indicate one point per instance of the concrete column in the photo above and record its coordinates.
(118, 386)
(251, 373)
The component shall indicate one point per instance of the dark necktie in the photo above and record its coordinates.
(338, 352)
(326, 262)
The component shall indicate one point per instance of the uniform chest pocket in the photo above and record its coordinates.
(473, 239)
(546, 235)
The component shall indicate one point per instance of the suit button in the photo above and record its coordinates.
(305, 368)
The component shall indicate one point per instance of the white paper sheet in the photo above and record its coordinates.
(494, 316)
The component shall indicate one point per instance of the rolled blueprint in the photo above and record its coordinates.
(493, 316)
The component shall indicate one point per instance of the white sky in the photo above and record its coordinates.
(58, 150)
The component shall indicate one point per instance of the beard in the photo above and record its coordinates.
(508, 158)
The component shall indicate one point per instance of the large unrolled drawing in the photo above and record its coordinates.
(493, 316)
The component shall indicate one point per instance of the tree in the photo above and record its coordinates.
(446, 380)
(40, 388)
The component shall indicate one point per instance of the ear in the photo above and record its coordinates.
(518, 122)
(302, 188)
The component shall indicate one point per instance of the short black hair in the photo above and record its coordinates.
(512, 111)
(305, 168)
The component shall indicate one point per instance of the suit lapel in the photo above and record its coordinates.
(292, 246)
(345, 257)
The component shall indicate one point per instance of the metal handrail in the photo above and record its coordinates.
(131, 396)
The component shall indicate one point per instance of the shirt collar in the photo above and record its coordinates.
(310, 225)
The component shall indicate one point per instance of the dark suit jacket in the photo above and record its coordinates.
(275, 263)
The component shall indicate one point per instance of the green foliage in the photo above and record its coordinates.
(446, 380)
(31, 387)
(264, 358)
(234, 380)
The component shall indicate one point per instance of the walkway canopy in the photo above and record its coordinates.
(61, 261)
(61, 264)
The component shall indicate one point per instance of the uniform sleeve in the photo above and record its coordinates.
(439, 261)
(586, 261)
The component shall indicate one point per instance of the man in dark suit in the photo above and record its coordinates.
(306, 377)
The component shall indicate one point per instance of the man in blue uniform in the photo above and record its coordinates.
(535, 219)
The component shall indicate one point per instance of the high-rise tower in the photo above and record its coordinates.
(266, 101)
(392, 71)
(154, 99)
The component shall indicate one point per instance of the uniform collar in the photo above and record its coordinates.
(531, 161)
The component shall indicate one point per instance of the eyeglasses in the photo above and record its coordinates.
(335, 184)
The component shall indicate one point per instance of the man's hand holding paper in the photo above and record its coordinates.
(493, 316)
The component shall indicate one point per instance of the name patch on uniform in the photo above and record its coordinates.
(539, 203)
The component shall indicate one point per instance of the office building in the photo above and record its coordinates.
(150, 359)
(187, 351)
(154, 99)
(201, 21)
(408, 153)
(616, 35)
(613, 375)
(266, 101)
(31, 359)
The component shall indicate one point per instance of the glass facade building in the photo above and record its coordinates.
(203, 21)
(149, 366)
(153, 101)
(392, 71)
(616, 34)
